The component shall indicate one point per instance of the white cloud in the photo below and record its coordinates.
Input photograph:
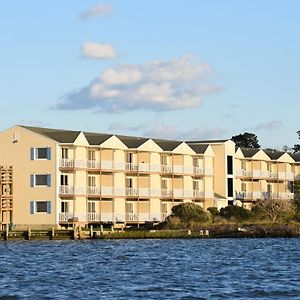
(98, 51)
(272, 125)
(155, 85)
(96, 11)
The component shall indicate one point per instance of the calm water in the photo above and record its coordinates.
(151, 269)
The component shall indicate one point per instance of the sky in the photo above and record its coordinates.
(188, 70)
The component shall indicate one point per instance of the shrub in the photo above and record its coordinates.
(235, 212)
(188, 212)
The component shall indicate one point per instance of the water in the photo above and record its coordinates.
(151, 269)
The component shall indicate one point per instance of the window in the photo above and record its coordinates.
(40, 153)
(229, 187)
(129, 207)
(229, 165)
(196, 162)
(196, 185)
(130, 157)
(91, 207)
(40, 207)
(64, 153)
(91, 181)
(64, 207)
(243, 163)
(63, 179)
(244, 187)
(40, 180)
(129, 182)
(164, 160)
(91, 155)
(164, 183)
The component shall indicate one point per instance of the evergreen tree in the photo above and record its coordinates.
(247, 140)
(296, 147)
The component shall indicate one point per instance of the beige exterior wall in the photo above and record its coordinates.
(17, 153)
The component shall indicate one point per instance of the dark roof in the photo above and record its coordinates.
(200, 149)
(249, 152)
(59, 135)
(296, 156)
(207, 141)
(96, 138)
(131, 141)
(274, 154)
(167, 145)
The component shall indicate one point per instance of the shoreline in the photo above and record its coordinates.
(209, 231)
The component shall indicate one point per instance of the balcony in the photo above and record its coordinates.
(144, 167)
(66, 163)
(166, 169)
(65, 217)
(131, 167)
(93, 216)
(198, 194)
(66, 190)
(199, 171)
(131, 192)
(166, 193)
(142, 217)
(93, 190)
(178, 169)
(264, 195)
(69, 190)
(93, 164)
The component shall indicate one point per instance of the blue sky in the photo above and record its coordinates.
(173, 69)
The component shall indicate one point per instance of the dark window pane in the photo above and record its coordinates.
(229, 187)
(41, 206)
(40, 179)
(229, 165)
(41, 153)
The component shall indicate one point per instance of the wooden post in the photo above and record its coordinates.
(91, 231)
(74, 232)
(29, 233)
(7, 232)
(53, 233)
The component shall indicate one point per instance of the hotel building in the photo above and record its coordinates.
(59, 178)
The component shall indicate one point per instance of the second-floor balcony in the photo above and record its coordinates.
(264, 195)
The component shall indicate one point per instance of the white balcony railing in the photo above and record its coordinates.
(144, 192)
(93, 190)
(65, 217)
(199, 171)
(178, 169)
(93, 216)
(66, 163)
(66, 190)
(178, 193)
(144, 167)
(198, 194)
(166, 193)
(131, 192)
(93, 164)
(166, 169)
(131, 167)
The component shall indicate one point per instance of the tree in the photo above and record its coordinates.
(296, 147)
(275, 209)
(188, 212)
(235, 212)
(247, 140)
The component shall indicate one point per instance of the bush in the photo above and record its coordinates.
(190, 212)
(236, 212)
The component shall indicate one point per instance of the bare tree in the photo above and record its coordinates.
(274, 208)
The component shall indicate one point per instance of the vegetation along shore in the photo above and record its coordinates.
(268, 218)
